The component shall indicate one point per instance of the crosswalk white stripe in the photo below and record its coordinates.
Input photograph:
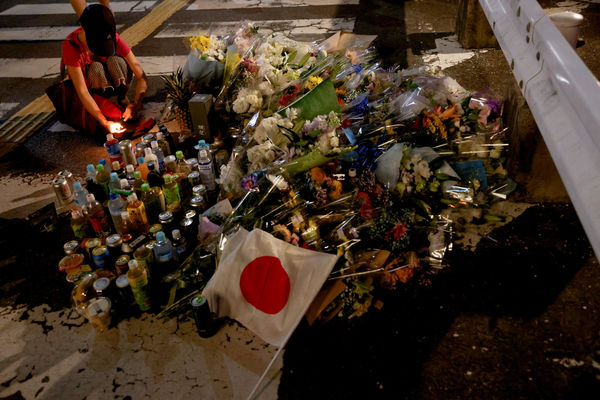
(65, 8)
(5, 108)
(36, 68)
(291, 27)
(38, 33)
(230, 4)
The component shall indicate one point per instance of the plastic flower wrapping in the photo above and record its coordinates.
(337, 154)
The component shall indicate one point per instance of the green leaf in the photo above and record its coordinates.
(319, 101)
(315, 133)
(299, 125)
(292, 56)
(303, 60)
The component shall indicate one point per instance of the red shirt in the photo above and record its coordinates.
(74, 53)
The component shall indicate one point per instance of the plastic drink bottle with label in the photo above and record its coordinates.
(97, 217)
(103, 178)
(138, 280)
(143, 167)
(79, 195)
(114, 183)
(160, 156)
(171, 190)
(78, 224)
(116, 205)
(137, 213)
(206, 169)
(91, 172)
(112, 148)
(116, 167)
(151, 202)
(130, 174)
(163, 144)
(154, 178)
(163, 249)
(137, 183)
(179, 246)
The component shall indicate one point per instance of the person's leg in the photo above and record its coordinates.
(97, 78)
(120, 75)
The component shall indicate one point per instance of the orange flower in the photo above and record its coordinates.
(336, 190)
(318, 175)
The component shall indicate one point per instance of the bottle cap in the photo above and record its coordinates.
(114, 176)
(109, 137)
(124, 183)
(168, 178)
(151, 167)
(132, 197)
(90, 198)
(90, 168)
(129, 168)
(114, 196)
(140, 160)
(122, 281)
(145, 187)
(160, 236)
(154, 144)
(102, 161)
(352, 172)
(137, 175)
(76, 185)
(132, 264)
(115, 165)
(202, 143)
(100, 167)
(176, 234)
(124, 215)
(179, 154)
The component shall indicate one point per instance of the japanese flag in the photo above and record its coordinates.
(266, 283)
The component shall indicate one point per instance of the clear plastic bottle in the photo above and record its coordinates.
(138, 280)
(171, 164)
(182, 167)
(116, 205)
(130, 173)
(151, 158)
(137, 213)
(160, 156)
(127, 226)
(179, 246)
(91, 172)
(80, 195)
(143, 167)
(97, 217)
(125, 189)
(171, 190)
(114, 184)
(206, 169)
(163, 249)
(112, 148)
(103, 178)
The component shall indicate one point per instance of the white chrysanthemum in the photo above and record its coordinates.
(292, 113)
(266, 89)
(248, 100)
(422, 169)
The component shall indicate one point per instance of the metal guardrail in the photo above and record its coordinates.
(563, 96)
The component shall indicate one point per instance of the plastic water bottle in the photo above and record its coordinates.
(205, 167)
(163, 249)
(179, 246)
(112, 148)
(116, 167)
(162, 142)
(160, 156)
(91, 172)
(79, 195)
(116, 205)
(130, 173)
(95, 214)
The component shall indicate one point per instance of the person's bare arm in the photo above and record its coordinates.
(80, 5)
(140, 87)
(88, 102)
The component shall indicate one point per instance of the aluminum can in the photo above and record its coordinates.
(144, 256)
(189, 229)
(71, 247)
(101, 286)
(199, 190)
(194, 178)
(166, 220)
(121, 264)
(198, 203)
(126, 151)
(100, 256)
(154, 229)
(192, 164)
(205, 323)
(90, 245)
(63, 192)
(125, 297)
(68, 175)
(190, 214)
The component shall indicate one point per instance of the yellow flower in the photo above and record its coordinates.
(200, 42)
(313, 82)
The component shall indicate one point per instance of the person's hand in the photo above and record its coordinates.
(115, 128)
(130, 112)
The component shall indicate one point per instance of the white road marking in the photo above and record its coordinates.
(38, 33)
(36, 68)
(5, 108)
(291, 27)
(230, 4)
(65, 8)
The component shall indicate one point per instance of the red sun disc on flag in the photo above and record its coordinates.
(265, 284)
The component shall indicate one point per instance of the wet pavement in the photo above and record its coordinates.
(514, 315)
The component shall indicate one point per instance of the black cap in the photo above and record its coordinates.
(98, 22)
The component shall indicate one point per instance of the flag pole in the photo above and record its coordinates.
(251, 395)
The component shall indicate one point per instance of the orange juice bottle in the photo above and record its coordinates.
(143, 167)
